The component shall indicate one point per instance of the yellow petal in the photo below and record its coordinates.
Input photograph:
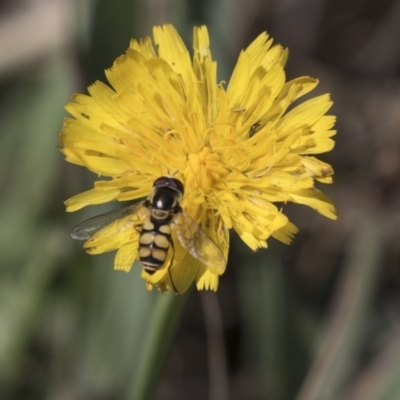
(206, 280)
(316, 200)
(125, 257)
(90, 197)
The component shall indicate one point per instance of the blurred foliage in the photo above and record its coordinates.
(317, 320)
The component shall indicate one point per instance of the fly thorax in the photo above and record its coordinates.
(164, 199)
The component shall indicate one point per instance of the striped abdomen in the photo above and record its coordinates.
(154, 243)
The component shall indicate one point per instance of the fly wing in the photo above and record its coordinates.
(193, 238)
(87, 229)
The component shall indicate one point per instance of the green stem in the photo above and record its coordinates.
(331, 367)
(160, 332)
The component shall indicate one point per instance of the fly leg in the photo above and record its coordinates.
(138, 228)
(170, 265)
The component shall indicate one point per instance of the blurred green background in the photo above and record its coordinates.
(317, 320)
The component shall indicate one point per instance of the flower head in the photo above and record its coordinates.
(237, 150)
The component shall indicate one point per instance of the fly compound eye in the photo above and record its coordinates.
(161, 182)
(167, 182)
(177, 185)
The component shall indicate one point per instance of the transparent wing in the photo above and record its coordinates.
(193, 238)
(90, 227)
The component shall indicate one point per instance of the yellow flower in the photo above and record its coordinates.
(237, 150)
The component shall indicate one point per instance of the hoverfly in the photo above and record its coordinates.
(161, 214)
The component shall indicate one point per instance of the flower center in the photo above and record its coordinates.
(204, 170)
